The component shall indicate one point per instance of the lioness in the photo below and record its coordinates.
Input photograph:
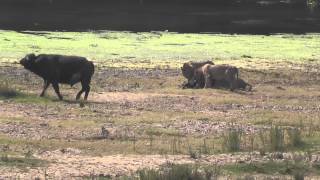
(241, 84)
(213, 73)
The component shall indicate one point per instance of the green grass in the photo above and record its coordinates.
(232, 140)
(165, 144)
(28, 98)
(11, 92)
(21, 162)
(24, 98)
(6, 91)
(183, 171)
(80, 123)
(12, 119)
(159, 49)
(199, 172)
(271, 167)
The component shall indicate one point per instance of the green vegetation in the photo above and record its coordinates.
(232, 140)
(276, 138)
(297, 170)
(10, 92)
(21, 162)
(295, 138)
(6, 91)
(24, 98)
(161, 49)
(183, 171)
(272, 167)
(33, 99)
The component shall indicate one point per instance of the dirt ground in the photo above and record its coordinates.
(142, 118)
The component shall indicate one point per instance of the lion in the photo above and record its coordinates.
(212, 73)
(188, 71)
(240, 84)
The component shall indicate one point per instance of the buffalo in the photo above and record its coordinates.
(55, 69)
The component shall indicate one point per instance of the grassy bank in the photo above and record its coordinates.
(162, 49)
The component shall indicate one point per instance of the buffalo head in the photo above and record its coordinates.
(28, 60)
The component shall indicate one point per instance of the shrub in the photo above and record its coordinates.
(4, 158)
(295, 138)
(6, 91)
(194, 154)
(232, 140)
(183, 171)
(276, 138)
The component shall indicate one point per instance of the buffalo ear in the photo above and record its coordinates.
(31, 56)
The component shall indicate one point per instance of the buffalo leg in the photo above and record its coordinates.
(45, 87)
(79, 94)
(56, 89)
(85, 88)
(87, 92)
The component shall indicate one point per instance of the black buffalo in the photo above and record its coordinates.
(55, 69)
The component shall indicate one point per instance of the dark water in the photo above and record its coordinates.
(224, 16)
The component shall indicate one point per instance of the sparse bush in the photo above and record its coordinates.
(150, 142)
(172, 172)
(204, 148)
(311, 129)
(149, 174)
(20, 162)
(175, 172)
(252, 142)
(299, 170)
(295, 169)
(101, 177)
(263, 140)
(295, 138)
(276, 138)
(4, 158)
(232, 140)
(28, 154)
(281, 139)
(212, 172)
(298, 175)
(6, 91)
(194, 154)
(246, 177)
(134, 140)
(174, 143)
